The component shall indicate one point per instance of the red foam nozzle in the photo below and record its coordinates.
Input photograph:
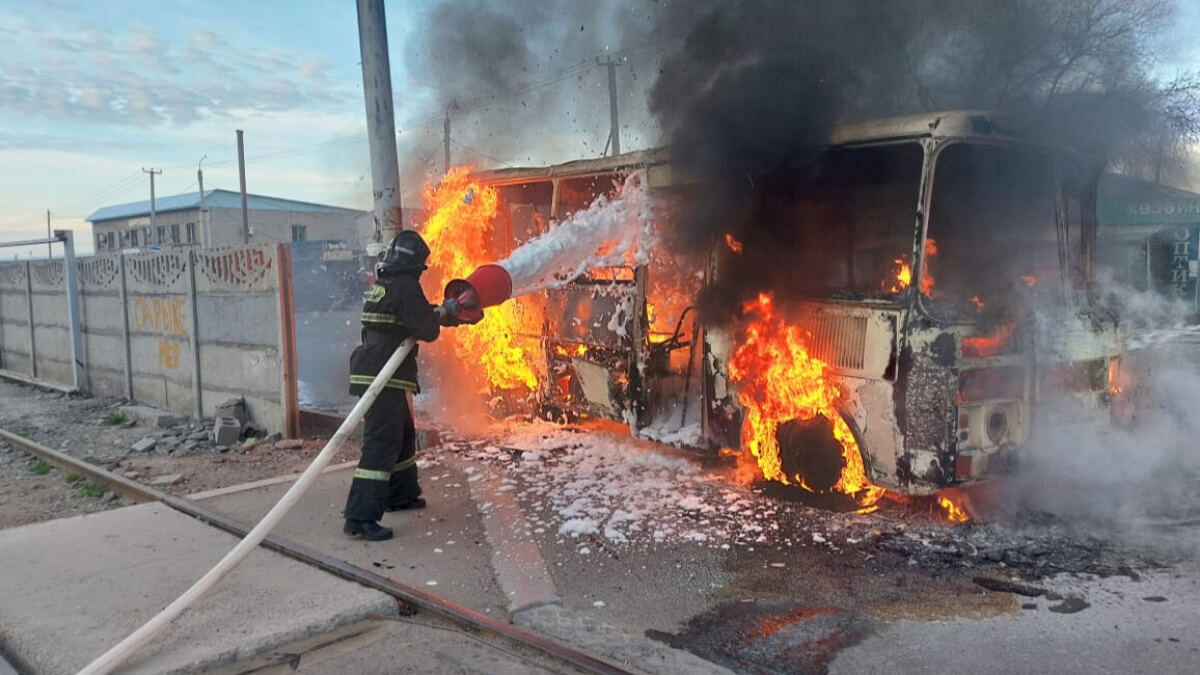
(489, 285)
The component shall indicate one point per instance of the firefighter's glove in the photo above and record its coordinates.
(454, 313)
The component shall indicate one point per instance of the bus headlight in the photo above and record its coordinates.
(997, 425)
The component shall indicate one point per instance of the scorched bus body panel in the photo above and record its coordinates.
(944, 375)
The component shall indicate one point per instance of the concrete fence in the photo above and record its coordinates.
(180, 330)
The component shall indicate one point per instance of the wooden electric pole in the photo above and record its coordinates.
(242, 177)
(153, 172)
(446, 142)
(381, 121)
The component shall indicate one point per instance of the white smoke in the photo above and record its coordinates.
(1140, 474)
(606, 234)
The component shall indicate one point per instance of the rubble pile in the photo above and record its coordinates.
(1029, 551)
(230, 429)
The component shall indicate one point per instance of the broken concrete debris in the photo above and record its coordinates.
(226, 431)
(166, 479)
(145, 445)
(235, 408)
(289, 444)
(151, 417)
(233, 414)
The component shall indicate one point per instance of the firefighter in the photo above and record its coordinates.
(395, 309)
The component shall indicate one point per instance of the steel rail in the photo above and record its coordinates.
(411, 599)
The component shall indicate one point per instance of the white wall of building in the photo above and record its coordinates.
(223, 227)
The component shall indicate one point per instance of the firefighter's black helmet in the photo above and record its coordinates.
(406, 253)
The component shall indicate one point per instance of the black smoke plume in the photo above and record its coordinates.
(750, 92)
(746, 92)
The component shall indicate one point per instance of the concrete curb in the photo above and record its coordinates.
(533, 599)
(516, 558)
(266, 482)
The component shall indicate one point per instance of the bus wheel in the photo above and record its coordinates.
(808, 448)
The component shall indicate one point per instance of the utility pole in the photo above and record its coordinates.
(614, 132)
(152, 173)
(446, 141)
(242, 177)
(446, 134)
(49, 247)
(381, 121)
(203, 231)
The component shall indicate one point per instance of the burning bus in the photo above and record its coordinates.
(922, 302)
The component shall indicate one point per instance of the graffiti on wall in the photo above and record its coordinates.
(164, 316)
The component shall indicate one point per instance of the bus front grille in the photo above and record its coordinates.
(840, 341)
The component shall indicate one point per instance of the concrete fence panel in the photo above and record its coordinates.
(103, 324)
(160, 329)
(16, 353)
(51, 325)
(182, 330)
(243, 323)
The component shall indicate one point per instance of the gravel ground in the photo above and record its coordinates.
(30, 493)
(77, 426)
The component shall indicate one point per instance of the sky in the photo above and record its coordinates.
(93, 92)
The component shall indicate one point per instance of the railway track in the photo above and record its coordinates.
(412, 600)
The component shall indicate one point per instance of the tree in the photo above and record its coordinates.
(1082, 69)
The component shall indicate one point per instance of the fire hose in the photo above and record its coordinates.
(489, 285)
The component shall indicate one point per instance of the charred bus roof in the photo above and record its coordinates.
(939, 125)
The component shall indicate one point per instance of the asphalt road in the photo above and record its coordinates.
(1144, 626)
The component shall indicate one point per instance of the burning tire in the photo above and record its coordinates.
(809, 448)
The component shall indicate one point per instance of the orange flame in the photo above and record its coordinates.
(733, 244)
(978, 303)
(1114, 375)
(780, 381)
(580, 350)
(984, 346)
(459, 236)
(954, 512)
(1029, 280)
(903, 277)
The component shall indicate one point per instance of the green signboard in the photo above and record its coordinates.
(1149, 212)
(1124, 200)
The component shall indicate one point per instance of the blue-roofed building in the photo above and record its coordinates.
(216, 220)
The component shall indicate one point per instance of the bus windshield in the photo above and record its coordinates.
(992, 222)
(850, 220)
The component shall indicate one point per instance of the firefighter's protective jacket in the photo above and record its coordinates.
(395, 309)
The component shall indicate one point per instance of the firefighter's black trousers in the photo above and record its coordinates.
(387, 473)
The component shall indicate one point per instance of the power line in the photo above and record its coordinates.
(480, 153)
(103, 193)
(100, 201)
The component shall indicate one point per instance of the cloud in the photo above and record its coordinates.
(139, 77)
(314, 69)
(207, 39)
(146, 42)
(11, 139)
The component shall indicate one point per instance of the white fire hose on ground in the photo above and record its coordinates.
(125, 648)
